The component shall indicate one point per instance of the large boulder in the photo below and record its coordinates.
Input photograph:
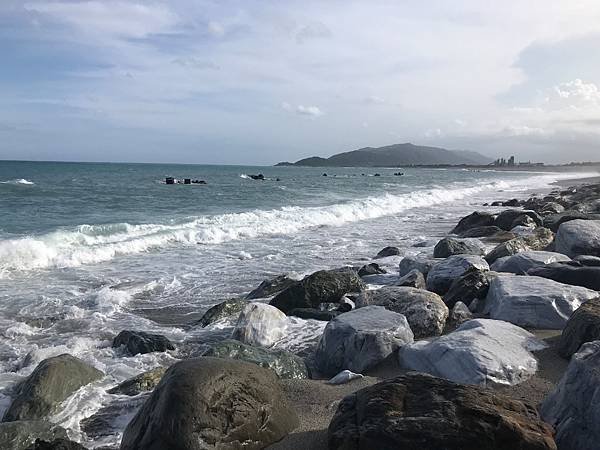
(388, 251)
(56, 444)
(51, 382)
(578, 237)
(480, 351)
(425, 311)
(472, 284)
(573, 408)
(588, 260)
(222, 310)
(284, 364)
(143, 382)
(22, 434)
(583, 326)
(212, 403)
(442, 274)
(359, 339)
(570, 272)
(139, 342)
(453, 246)
(414, 278)
(479, 232)
(419, 412)
(533, 301)
(325, 286)
(271, 287)
(554, 221)
(476, 219)
(510, 218)
(522, 262)
(260, 324)
(421, 263)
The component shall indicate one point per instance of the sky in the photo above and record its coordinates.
(257, 82)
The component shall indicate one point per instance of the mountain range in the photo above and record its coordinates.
(395, 155)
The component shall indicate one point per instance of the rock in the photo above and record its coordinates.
(418, 411)
(573, 408)
(472, 284)
(143, 382)
(570, 272)
(524, 221)
(480, 351)
(507, 248)
(20, 435)
(345, 376)
(554, 221)
(421, 263)
(533, 301)
(512, 203)
(139, 342)
(587, 260)
(388, 251)
(270, 287)
(314, 313)
(325, 286)
(583, 326)
(56, 444)
(539, 239)
(460, 313)
(414, 278)
(370, 269)
(476, 219)
(522, 262)
(359, 339)
(212, 403)
(222, 310)
(284, 364)
(578, 237)
(425, 311)
(51, 382)
(552, 208)
(478, 232)
(506, 219)
(453, 246)
(442, 274)
(260, 324)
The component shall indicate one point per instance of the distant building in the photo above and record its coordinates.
(510, 162)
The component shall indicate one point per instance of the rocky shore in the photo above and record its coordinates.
(488, 339)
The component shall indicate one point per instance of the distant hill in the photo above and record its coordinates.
(393, 156)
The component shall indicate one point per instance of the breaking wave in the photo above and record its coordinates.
(21, 181)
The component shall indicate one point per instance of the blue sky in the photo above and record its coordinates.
(240, 82)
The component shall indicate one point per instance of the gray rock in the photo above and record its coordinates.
(533, 301)
(524, 221)
(56, 444)
(573, 408)
(570, 272)
(583, 326)
(476, 219)
(453, 246)
(388, 251)
(414, 278)
(370, 269)
(22, 434)
(212, 403)
(422, 263)
(136, 342)
(471, 285)
(52, 381)
(507, 220)
(508, 248)
(554, 221)
(522, 262)
(479, 232)
(425, 311)
(359, 339)
(552, 208)
(222, 310)
(260, 324)
(587, 260)
(460, 313)
(284, 364)
(271, 287)
(442, 274)
(480, 351)
(578, 237)
(143, 382)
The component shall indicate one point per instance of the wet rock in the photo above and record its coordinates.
(143, 382)
(370, 269)
(359, 339)
(325, 286)
(570, 272)
(222, 310)
(583, 326)
(473, 284)
(414, 278)
(533, 301)
(388, 251)
(579, 237)
(52, 381)
(139, 342)
(260, 324)
(425, 311)
(573, 408)
(480, 351)
(421, 263)
(212, 403)
(453, 246)
(418, 411)
(271, 287)
(284, 364)
(476, 219)
(20, 435)
(478, 232)
(524, 261)
(442, 274)
(510, 218)
(56, 444)
(460, 313)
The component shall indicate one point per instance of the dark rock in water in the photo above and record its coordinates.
(143, 382)
(139, 342)
(313, 313)
(570, 272)
(370, 269)
(554, 221)
(478, 232)
(420, 412)
(222, 310)
(20, 435)
(56, 444)
(512, 203)
(476, 219)
(284, 364)
(583, 326)
(452, 246)
(52, 381)
(260, 176)
(497, 203)
(388, 251)
(421, 263)
(271, 287)
(324, 286)
(212, 403)
(414, 279)
(108, 420)
(474, 283)
(506, 218)
(587, 260)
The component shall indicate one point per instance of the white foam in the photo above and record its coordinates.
(21, 181)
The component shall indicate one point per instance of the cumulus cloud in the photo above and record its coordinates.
(311, 111)
(575, 94)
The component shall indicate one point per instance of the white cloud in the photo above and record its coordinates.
(574, 94)
(313, 111)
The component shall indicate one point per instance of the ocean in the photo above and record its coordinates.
(87, 250)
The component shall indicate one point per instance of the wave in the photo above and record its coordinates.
(89, 244)
(243, 175)
(21, 181)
